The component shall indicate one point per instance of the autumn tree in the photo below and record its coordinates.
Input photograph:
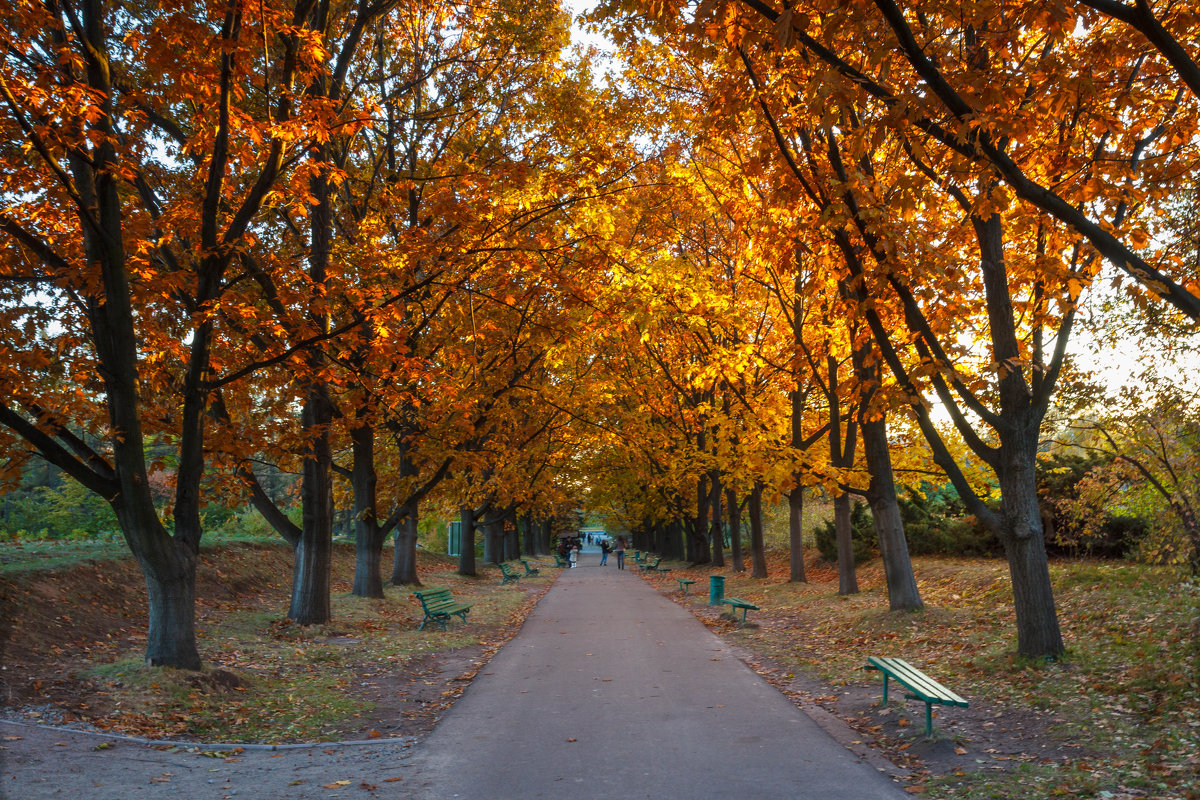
(142, 145)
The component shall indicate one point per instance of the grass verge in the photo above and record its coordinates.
(74, 650)
(1118, 717)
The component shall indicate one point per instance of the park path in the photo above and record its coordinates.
(611, 690)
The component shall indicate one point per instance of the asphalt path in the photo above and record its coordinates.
(611, 690)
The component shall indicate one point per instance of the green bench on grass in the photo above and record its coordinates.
(439, 606)
(507, 575)
(737, 602)
(529, 571)
(920, 686)
(684, 583)
(653, 566)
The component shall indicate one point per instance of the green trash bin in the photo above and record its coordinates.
(716, 589)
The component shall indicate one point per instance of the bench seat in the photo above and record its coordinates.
(744, 605)
(920, 686)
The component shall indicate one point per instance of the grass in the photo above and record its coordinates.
(265, 678)
(57, 555)
(1128, 687)
(38, 556)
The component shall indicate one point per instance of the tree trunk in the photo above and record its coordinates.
(512, 539)
(903, 594)
(1038, 633)
(673, 540)
(758, 551)
(171, 590)
(404, 559)
(701, 552)
(314, 552)
(841, 454)
(530, 539)
(466, 558)
(735, 530)
(368, 537)
(847, 577)
(716, 534)
(798, 399)
(796, 534)
(491, 550)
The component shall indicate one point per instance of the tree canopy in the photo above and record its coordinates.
(428, 248)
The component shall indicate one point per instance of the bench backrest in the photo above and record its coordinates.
(433, 596)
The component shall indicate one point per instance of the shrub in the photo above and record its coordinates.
(1082, 506)
(862, 534)
(932, 528)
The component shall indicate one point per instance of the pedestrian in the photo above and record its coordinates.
(620, 549)
(574, 556)
(605, 549)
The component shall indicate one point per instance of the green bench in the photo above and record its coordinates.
(920, 686)
(736, 603)
(653, 566)
(529, 571)
(439, 606)
(507, 575)
(684, 583)
(559, 561)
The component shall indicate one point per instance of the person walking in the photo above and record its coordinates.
(620, 550)
(605, 549)
(573, 556)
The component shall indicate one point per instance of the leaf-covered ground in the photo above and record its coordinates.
(74, 639)
(1119, 717)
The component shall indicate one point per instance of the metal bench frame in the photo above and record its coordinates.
(737, 602)
(920, 686)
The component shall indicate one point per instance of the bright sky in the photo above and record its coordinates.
(578, 34)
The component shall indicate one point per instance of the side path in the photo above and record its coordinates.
(611, 690)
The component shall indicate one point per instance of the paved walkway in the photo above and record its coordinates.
(613, 691)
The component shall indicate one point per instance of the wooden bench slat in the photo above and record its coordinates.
(918, 682)
(922, 686)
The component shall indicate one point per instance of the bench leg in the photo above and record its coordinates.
(885, 689)
(929, 720)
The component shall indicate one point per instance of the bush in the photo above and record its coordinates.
(862, 534)
(934, 525)
(1076, 493)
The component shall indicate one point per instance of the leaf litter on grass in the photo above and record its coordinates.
(1118, 717)
(367, 674)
